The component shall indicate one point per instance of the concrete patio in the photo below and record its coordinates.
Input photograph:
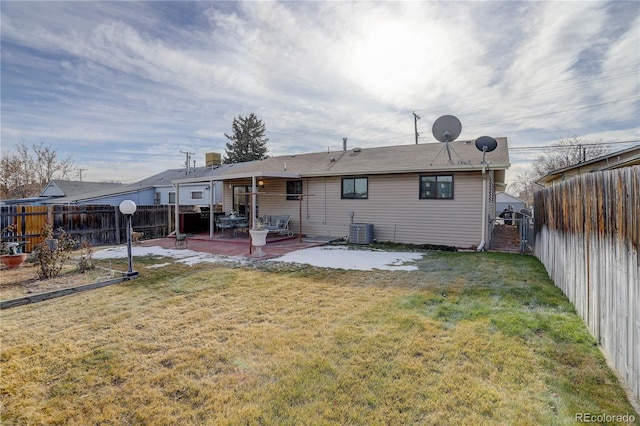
(238, 245)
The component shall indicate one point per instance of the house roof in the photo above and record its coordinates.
(503, 197)
(62, 188)
(431, 157)
(201, 173)
(161, 179)
(118, 190)
(614, 160)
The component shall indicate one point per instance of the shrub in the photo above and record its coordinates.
(86, 262)
(51, 254)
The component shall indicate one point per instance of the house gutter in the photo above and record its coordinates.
(484, 207)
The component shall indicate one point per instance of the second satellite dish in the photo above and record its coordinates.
(486, 143)
(447, 128)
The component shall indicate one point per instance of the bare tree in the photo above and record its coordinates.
(564, 153)
(26, 172)
(568, 152)
(523, 186)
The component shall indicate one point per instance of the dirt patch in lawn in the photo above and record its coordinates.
(23, 281)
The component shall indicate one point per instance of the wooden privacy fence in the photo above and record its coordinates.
(587, 234)
(95, 224)
(28, 222)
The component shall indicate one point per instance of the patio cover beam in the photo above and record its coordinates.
(234, 176)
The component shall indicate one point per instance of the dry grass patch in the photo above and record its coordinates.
(24, 281)
(464, 340)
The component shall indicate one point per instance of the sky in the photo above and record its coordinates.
(124, 87)
(326, 257)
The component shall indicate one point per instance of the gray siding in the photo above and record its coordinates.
(185, 193)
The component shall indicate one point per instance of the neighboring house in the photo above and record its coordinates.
(70, 188)
(58, 189)
(504, 200)
(154, 190)
(410, 194)
(625, 158)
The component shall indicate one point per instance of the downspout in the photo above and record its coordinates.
(212, 199)
(177, 212)
(484, 208)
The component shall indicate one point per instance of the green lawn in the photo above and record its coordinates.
(469, 338)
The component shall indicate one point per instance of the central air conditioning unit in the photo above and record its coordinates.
(361, 233)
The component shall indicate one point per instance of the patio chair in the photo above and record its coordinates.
(181, 240)
(224, 223)
(242, 226)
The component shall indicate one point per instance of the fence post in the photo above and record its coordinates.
(117, 230)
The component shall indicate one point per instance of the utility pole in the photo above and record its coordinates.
(80, 173)
(187, 159)
(416, 117)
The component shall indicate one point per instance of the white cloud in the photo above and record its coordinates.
(175, 74)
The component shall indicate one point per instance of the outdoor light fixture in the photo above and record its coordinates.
(260, 183)
(128, 208)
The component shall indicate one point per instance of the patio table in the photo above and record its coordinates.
(230, 222)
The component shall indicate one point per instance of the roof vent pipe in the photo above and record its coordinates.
(344, 144)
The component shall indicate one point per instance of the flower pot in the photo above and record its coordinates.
(13, 260)
(259, 239)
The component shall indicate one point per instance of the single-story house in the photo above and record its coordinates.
(625, 158)
(154, 190)
(418, 194)
(58, 188)
(504, 200)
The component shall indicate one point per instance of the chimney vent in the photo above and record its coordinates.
(344, 144)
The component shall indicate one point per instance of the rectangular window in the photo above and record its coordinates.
(172, 197)
(196, 195)
(436, 187)
(355, 188)
(294, 187)
(156, 198)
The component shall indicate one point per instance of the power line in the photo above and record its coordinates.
(526, 92)
(555, 112)
(519, 151)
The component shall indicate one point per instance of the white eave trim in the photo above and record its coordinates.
(233, 176)
(431, 169)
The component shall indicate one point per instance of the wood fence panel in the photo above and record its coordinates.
(588, 237)
(95, 224)
(28, 221)
(35, 219)
(91, 224)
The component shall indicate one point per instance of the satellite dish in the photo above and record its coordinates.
(486, 143)
(447, 128)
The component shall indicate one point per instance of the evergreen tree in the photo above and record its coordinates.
(248, 141)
